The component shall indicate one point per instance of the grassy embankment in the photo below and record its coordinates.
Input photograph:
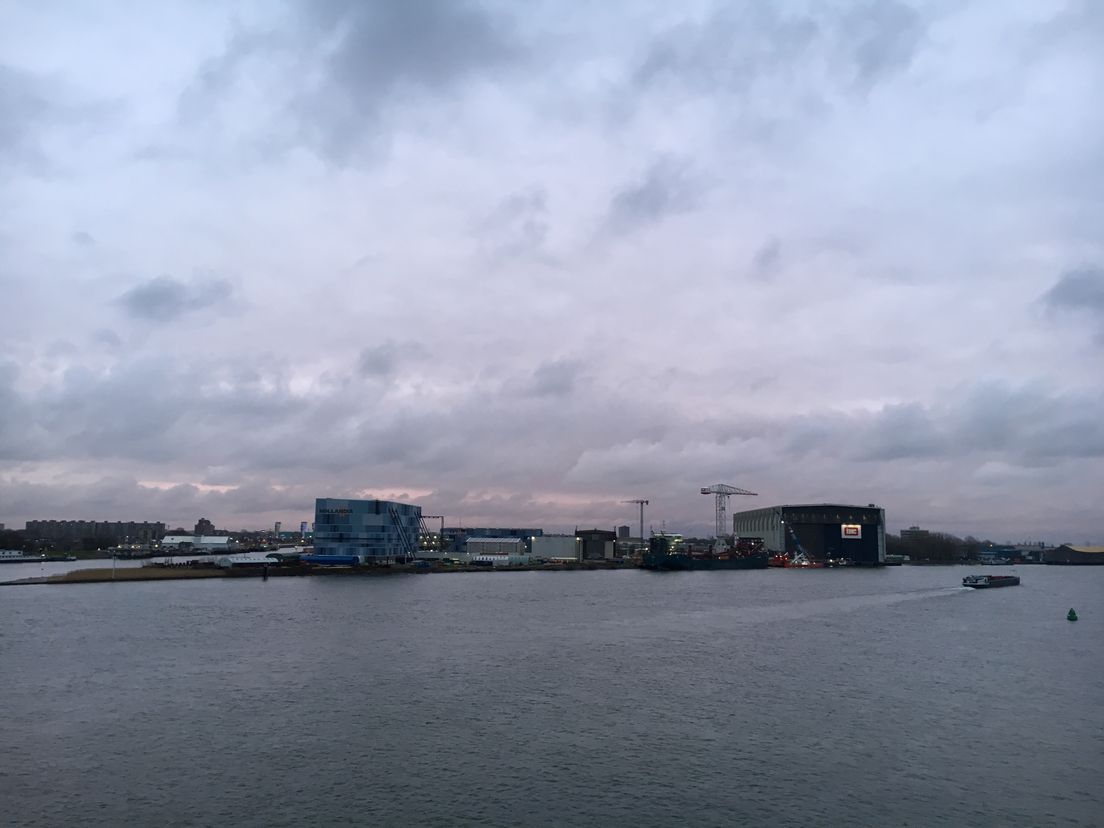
(143, 573)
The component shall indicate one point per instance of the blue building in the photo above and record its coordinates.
(375, 531)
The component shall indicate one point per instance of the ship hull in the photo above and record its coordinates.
(990, 581)
(686, 563)
(37, 559)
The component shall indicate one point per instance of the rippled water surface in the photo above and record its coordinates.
(831, 697)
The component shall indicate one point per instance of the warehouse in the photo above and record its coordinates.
(513, 547)
(1068, 554)
(823, 531)
(198, 543)
(556, 548)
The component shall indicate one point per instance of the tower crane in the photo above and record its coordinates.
(642, 503)
(723, 491)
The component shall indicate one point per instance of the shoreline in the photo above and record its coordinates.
(187, 573)
(183, 572)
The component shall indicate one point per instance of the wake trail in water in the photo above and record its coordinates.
(796, 610)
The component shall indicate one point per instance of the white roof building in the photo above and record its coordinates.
(214, 543)
(495, 546)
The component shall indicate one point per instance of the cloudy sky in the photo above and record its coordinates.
(518, 262)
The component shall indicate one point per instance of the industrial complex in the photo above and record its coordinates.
(359, 532)
(818, 533)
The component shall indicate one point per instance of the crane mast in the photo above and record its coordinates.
(722, 492)
(642, 503)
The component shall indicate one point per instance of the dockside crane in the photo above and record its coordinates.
(723, 492)
(642, 503)
(425, 529)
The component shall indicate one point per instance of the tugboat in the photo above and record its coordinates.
(990, 581)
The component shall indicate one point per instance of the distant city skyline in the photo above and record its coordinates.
(519, 263)
(662, 525)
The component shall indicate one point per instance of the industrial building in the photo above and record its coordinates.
(454, 539)
(822, 531)
(372, 531)
(198, 543)
(1068, 554)
(556, 548)
(497, 546)
(597, 544)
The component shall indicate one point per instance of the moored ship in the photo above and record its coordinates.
(667, 553)
(17, 556)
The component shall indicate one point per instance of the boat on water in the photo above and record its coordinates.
(666, 553)
(990, 581)
(800, 560)
(17, 556)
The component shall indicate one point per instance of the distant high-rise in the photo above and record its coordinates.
(204, 527)
(74, 531)
(623, 532)
(914, 533)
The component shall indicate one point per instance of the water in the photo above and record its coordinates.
(830, 697)
(11, 572)
(15, 572)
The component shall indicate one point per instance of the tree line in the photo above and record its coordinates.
(936, 546)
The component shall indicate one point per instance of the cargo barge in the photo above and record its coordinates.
(990, 581)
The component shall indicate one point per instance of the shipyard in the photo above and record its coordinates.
(371, 537)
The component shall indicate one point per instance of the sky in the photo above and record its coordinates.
(519, 263)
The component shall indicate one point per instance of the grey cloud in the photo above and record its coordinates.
(666, 188)
(517, 227)
(335, 70)
(882, 37)
(378, 361)
(83, 239)
(505, 115)
(380, 53)
(151, 410)
(1081, 289)
(1024, 426)
(36, 108)
(740, 45)
(900, 431)
(167, 414)
(217, 75)
(108, 338)
(21, 436)
(163, 298)
(383, 360)
(556, 379)
(765, 262)
(26, 106)
(122, 497)
(728, 48)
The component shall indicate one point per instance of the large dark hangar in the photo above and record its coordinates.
(823, 531)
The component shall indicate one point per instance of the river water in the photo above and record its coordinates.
(618, 698)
